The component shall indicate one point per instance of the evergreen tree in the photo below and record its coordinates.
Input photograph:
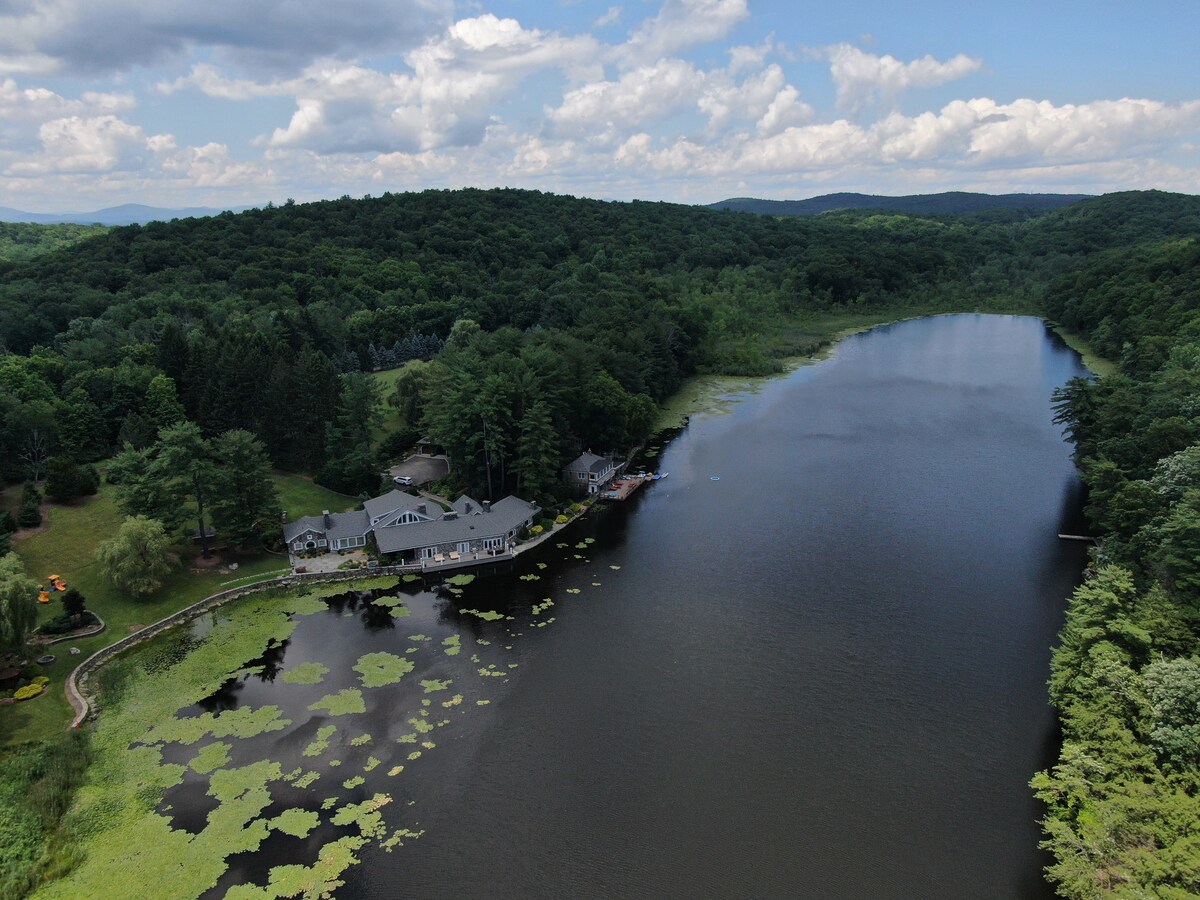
(30, 513)
(245, 503)
(163, 407)
(537, 452)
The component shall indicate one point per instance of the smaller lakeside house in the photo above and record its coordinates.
(412, 528)
(588, 473)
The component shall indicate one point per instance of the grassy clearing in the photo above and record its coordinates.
(390, 420)
(299, 496)
(67, 547)
(1094, 361)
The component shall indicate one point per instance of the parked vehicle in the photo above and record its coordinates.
(402, 480)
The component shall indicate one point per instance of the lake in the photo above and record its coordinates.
(810, 662)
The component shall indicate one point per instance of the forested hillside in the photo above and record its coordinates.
(22, 242)
(949, 203)
(1125, 796)
(530, 326)
(599, 310)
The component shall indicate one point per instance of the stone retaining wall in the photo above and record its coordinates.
(77, 680)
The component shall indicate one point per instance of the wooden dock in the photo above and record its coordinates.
(621, 488)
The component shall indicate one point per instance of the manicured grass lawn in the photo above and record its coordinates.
(300, 497)
(390, 420)
(68, 548)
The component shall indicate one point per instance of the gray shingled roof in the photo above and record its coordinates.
(394, 500)
(341, 525)
(505, 515)
(589, 462)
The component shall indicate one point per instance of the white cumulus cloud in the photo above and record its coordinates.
(862, 77)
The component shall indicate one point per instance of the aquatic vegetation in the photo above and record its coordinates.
(321, 742)
(422, 726)
(428, 745)
(394, 771)
(379, 669)
(432, 685)
(416, 754)
(306, 673)
(296, 822)
(460, 580)
(489, 616)
(419, 637)
(361, 740)
(400, 612)
(387, 601)
(482, 702)
(453, 645)
(372, 764)
(307, 779)
(574, 591)
(539, 608)
(453, 701)
(542, 565)
(244, 722)
(530, 577)
(615, 568)
(343, 703)
(353, 782)
(409, 579)
(210, 758)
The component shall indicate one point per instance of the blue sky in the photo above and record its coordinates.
(232, 102)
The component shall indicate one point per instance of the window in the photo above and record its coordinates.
(464, 546)
(427, 552)
(493, 543)
(297, 546)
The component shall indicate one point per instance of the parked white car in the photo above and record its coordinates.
(403, 480)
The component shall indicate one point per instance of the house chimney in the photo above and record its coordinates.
(422, 509)
(487, 505)
(466, 507)
(326, 517)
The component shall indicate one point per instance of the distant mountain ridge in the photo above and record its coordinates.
(947, 203)
(126, 214)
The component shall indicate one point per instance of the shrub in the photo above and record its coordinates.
(41, 679)
(576, 507)
(536, 529)
(561, 520)
(28, 692)
(30, 513)
(67, 480)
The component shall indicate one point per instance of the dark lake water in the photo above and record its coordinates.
(822, 675)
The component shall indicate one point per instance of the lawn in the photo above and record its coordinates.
(299, 496)
(390, 420)
(67, 547)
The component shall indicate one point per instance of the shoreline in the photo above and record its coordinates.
(711, 392)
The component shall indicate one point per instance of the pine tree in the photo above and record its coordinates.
(245, 504)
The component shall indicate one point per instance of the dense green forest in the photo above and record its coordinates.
(946, 203)
(530, 326)
(21, 242)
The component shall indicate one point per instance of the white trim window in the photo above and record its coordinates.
(428, 552)
(493, 543)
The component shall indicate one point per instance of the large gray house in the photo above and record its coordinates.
(413, 528)
(588, 473)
